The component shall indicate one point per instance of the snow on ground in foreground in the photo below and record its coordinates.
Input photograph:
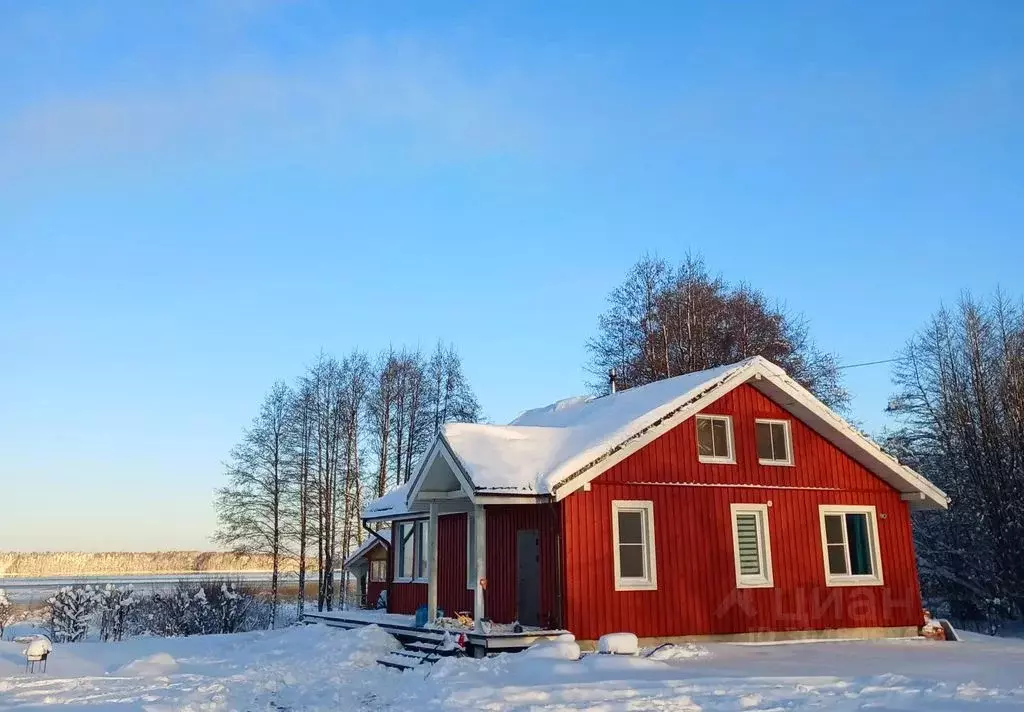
(316, 667)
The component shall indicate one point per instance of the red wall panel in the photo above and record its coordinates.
(697, 591)
(503, 523)
(452, 595)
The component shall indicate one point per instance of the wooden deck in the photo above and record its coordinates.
(403, 627)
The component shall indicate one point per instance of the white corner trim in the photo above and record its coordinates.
(730, 459)
(470, 551)
(787, 427)
(766, 579)
(831, 580)
(650, 581)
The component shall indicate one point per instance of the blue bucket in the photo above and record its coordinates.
(421, 616)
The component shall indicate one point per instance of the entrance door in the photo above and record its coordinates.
(528, 576)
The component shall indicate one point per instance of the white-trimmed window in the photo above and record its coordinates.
(774, 444)
(411, 552)
(752, 545)
(849, 545)
(378, 570)
(633, 543)
(714, 439)
(470, 551)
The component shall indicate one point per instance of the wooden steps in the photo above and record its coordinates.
(416, 653)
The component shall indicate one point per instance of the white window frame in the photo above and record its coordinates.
(765, 579)
(420, 533)
(788, 462)
(712, 459)
(650, 581)
(470, 552)
(831, 579)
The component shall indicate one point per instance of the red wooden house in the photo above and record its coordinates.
(728, 503)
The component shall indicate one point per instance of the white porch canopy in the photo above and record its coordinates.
(441, 487)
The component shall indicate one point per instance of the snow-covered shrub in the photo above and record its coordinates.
(115, 605)
(180, 611)
(71, 611)
(233, 608)
(6, 612)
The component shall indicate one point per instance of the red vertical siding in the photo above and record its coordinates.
(503, 523)
(452, 594)
(697, 591)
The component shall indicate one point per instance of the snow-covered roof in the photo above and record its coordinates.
(551, 451)
(544, 445)
(391, 506)
(364, 548)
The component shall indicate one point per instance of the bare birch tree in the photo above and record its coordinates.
(250, 507)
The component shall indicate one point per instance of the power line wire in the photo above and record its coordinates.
(868, 363)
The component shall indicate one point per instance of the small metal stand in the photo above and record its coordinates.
(32, 660)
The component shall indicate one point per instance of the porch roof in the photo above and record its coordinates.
(368, 544)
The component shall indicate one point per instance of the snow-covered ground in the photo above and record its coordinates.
(322, 668)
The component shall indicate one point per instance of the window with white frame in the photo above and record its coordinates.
(752, 546)
(411, 552)
(470, 551)
(633, 543)
(714, 438)
(774, 446)
(378, 570)
(849, 544)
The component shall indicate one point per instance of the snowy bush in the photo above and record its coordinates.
(183, 610)
(233, 608)
(115, 604)
(71, 611)
(6, 612)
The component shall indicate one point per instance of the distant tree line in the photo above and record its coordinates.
(342, 434)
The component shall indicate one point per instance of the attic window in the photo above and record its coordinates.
(714, 439)
(773, 442)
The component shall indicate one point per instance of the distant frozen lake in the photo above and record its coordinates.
(37, 590)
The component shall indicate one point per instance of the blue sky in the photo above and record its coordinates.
(198, 197)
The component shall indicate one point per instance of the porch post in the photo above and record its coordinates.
(480, 532)
(432, 563)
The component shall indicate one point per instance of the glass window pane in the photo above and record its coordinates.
(423, 548)
(406, 550)
(631, 561)
(705, 440)
(721, 433)
(763, 432)
(833, 528)
(779, 441)
(837, 559)
(859, 543)
(631, 527)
